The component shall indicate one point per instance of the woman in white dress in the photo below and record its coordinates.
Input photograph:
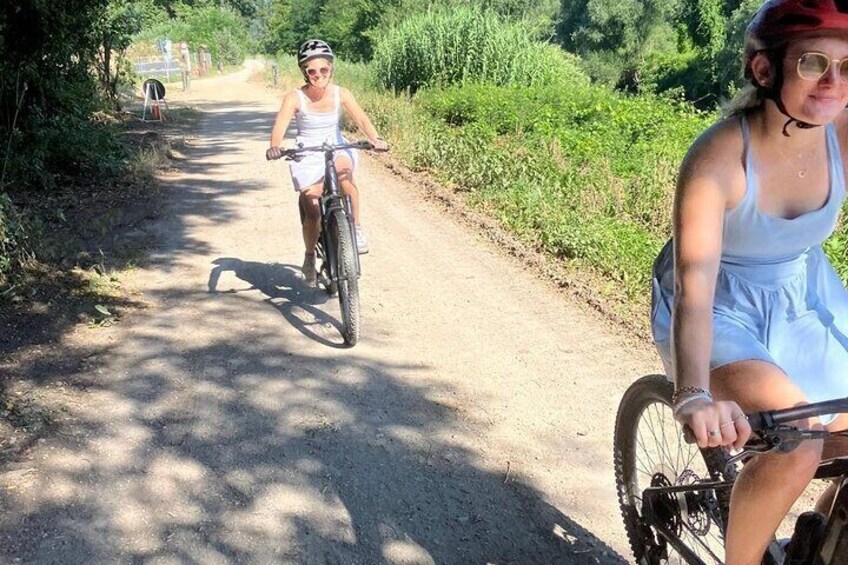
(316, 107)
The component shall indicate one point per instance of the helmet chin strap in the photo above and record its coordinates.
(774, 93)
(802, 125)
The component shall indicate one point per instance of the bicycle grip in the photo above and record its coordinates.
(268, 156)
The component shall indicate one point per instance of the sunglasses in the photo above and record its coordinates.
(813, 66)
(323, 71)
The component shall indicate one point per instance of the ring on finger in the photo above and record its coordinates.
(730, 423)
(714, 433)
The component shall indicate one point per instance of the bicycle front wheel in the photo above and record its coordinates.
(679, 527)
(348, 283)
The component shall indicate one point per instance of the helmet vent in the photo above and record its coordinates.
(841, 6)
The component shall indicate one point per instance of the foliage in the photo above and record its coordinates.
(119, 22)
(245, 8)
(625, 29)
(221, 29)
(353, 27)
(657, 45)
(586, 174)
(442, 47)
(50, 103)
(14, 247)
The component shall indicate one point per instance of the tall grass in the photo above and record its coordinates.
(442, 47)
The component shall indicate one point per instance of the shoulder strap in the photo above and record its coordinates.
(834, 156)
(750, 179)
(301, 100)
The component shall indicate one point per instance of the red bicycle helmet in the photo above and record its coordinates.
(775, 23)
(777, 19)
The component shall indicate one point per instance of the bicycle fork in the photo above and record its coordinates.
(328, 205)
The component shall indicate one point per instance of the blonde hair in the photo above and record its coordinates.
(752, 96)
(747, 101)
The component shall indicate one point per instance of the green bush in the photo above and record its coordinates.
(585, 173)
(14, 247)
(464, 44)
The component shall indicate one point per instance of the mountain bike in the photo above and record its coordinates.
(339, 269)
(675, 497)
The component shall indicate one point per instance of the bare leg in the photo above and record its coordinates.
(344, 167)
(309, 198)
(767, 486)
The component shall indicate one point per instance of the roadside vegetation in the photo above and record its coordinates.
(73, 155)
(564, 119)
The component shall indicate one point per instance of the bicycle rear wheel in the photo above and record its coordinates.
(650, 452)
(348, 284)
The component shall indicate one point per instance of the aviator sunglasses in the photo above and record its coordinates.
(813, 66)
(324, 71)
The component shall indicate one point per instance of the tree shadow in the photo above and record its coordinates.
(256, 455)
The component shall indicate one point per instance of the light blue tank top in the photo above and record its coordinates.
(752, 239)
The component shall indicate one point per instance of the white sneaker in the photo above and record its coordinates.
(310, 276)
(361, 242)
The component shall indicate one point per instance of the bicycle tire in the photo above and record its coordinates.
(679, 463)
(348, 285)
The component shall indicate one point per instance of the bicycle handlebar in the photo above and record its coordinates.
(289, 154)
(770, 420)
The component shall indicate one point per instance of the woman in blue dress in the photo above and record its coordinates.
(748, 313)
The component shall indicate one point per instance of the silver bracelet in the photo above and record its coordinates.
(678, 406)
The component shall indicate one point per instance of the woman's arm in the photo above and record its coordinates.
(360, 118)
(699, 206)
(284, 116)
(704, 187)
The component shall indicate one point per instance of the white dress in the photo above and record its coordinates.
(314, 128)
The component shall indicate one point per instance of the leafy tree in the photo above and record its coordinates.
(616, 34)
(117, 26)
(221, 29)
(245, 8)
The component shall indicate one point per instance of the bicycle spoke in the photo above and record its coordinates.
(662, 452)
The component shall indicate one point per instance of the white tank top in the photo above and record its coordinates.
(317, 127)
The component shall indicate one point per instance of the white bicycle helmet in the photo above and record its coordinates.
(312, 49)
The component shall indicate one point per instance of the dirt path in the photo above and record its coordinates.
(225, 423)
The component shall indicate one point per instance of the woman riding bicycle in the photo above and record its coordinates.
(316, 107)
(748, 313)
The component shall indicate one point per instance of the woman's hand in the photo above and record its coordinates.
(380, 144)
(715, 424)
(274, 152)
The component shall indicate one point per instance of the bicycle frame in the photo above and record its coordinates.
(773, 435)
(332, 199)
(697, 497)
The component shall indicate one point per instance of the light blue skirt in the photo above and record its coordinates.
(793, 314)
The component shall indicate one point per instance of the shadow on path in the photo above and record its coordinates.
(284, 288)
(244, 453)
